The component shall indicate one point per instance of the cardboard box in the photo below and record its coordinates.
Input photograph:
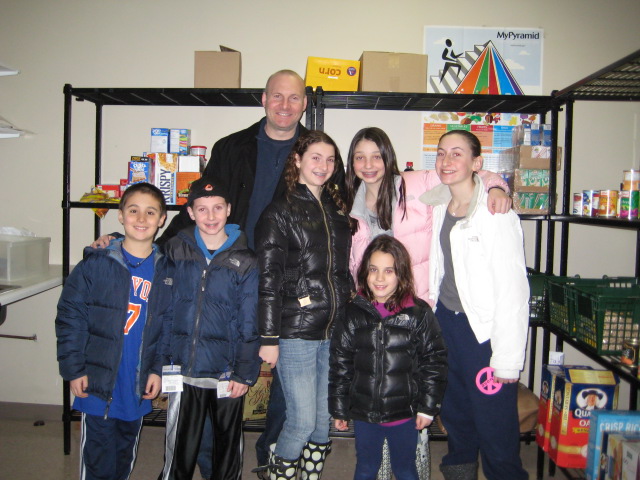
(531, 157)
(139, 172)
(221, 69)
(183, 184)
(614, 460)
(257, 398)
(159, 140)
(534, 203)
(578, 393)
(602, 423)
(179, 141)
(332, 74)
(189, 163)
(110, 189)
(631, 460)
(547, 387)
(530, 180)
(393, 72)
(164, 167)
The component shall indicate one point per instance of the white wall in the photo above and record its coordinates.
(107, 43)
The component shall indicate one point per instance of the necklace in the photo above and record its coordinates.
(126, 255)
(459, 210)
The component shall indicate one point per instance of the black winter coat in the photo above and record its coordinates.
(303, 259)
(386, 369)
(233, 163)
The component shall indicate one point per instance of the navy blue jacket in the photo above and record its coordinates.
(215, 328)
(92, 312)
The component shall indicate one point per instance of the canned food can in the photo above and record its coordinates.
(631, 180)
(629, 354)
(590, 202)
(608, 203)
(577, 204)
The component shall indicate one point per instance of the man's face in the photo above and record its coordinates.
(284, 102)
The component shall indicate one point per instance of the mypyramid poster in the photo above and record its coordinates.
(484, 60)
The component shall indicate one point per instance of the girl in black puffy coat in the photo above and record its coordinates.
(302, 242)
(388, 363)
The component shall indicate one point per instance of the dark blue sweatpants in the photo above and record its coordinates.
(108, 447)
(479, 415)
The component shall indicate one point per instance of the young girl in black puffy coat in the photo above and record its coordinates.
(388, 363)
(302, 242)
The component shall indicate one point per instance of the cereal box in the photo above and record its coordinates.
(577, 393)
(257, 398)
(631, 460)
(179, 141)
(183, 184)
(139, 172)
(614, 460)
(163, 172)
(603, 423)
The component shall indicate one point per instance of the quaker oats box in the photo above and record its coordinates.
(603, 424)
(576, 395)
(547, 386)
(257, 398)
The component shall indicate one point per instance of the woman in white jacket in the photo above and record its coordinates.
(480, 289)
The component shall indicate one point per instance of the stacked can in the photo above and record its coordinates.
(623, 203)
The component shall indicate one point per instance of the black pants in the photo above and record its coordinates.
(185, 421)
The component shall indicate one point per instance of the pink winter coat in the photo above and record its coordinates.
(414, 230)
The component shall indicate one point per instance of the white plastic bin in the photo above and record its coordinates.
(23, 257)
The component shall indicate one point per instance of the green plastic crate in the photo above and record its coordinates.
(536, 295)
(562, 298)
(605, 316)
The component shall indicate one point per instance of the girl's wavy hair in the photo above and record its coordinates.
(387, 194)
(402, 264)
(292, 172)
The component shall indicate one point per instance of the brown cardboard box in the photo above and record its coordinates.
(531, 157)
(393, 72)
(217, 69)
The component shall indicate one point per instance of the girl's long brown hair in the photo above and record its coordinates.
(402, 264)
(292, 172)
(387, 194)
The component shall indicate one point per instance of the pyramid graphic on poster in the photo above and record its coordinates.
(483, 71)
(489, 76)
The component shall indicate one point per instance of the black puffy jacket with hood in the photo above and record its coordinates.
(386, 369)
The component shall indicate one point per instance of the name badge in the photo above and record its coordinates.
(304, 301)
(171, 379)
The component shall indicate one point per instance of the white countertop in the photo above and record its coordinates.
(32, 286)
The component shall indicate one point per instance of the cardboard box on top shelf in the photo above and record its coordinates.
(221, 69)
(332, 74)
(530, 156)
(393, 72)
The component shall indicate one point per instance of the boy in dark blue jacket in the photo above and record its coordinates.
(214, 337)
(113, 316)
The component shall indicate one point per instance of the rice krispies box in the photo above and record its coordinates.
(547, 387)
(576, 395)
(604, 423)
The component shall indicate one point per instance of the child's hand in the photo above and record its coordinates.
(269, 354)
(237, 389)
(341, 425)
(154, 384)
(422, 422)
(78, 386)
(102, 242)
(498, 201)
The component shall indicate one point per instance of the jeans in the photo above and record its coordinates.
(303, 366)
(402, 440)
(276, 415)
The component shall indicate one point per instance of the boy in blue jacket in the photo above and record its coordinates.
(113, 317)
(214, 337)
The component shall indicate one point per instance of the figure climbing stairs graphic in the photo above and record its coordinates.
(482, 71)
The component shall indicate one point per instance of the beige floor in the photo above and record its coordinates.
(36, 452)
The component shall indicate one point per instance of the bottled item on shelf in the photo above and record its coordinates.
(409, 167)
(200, 151)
